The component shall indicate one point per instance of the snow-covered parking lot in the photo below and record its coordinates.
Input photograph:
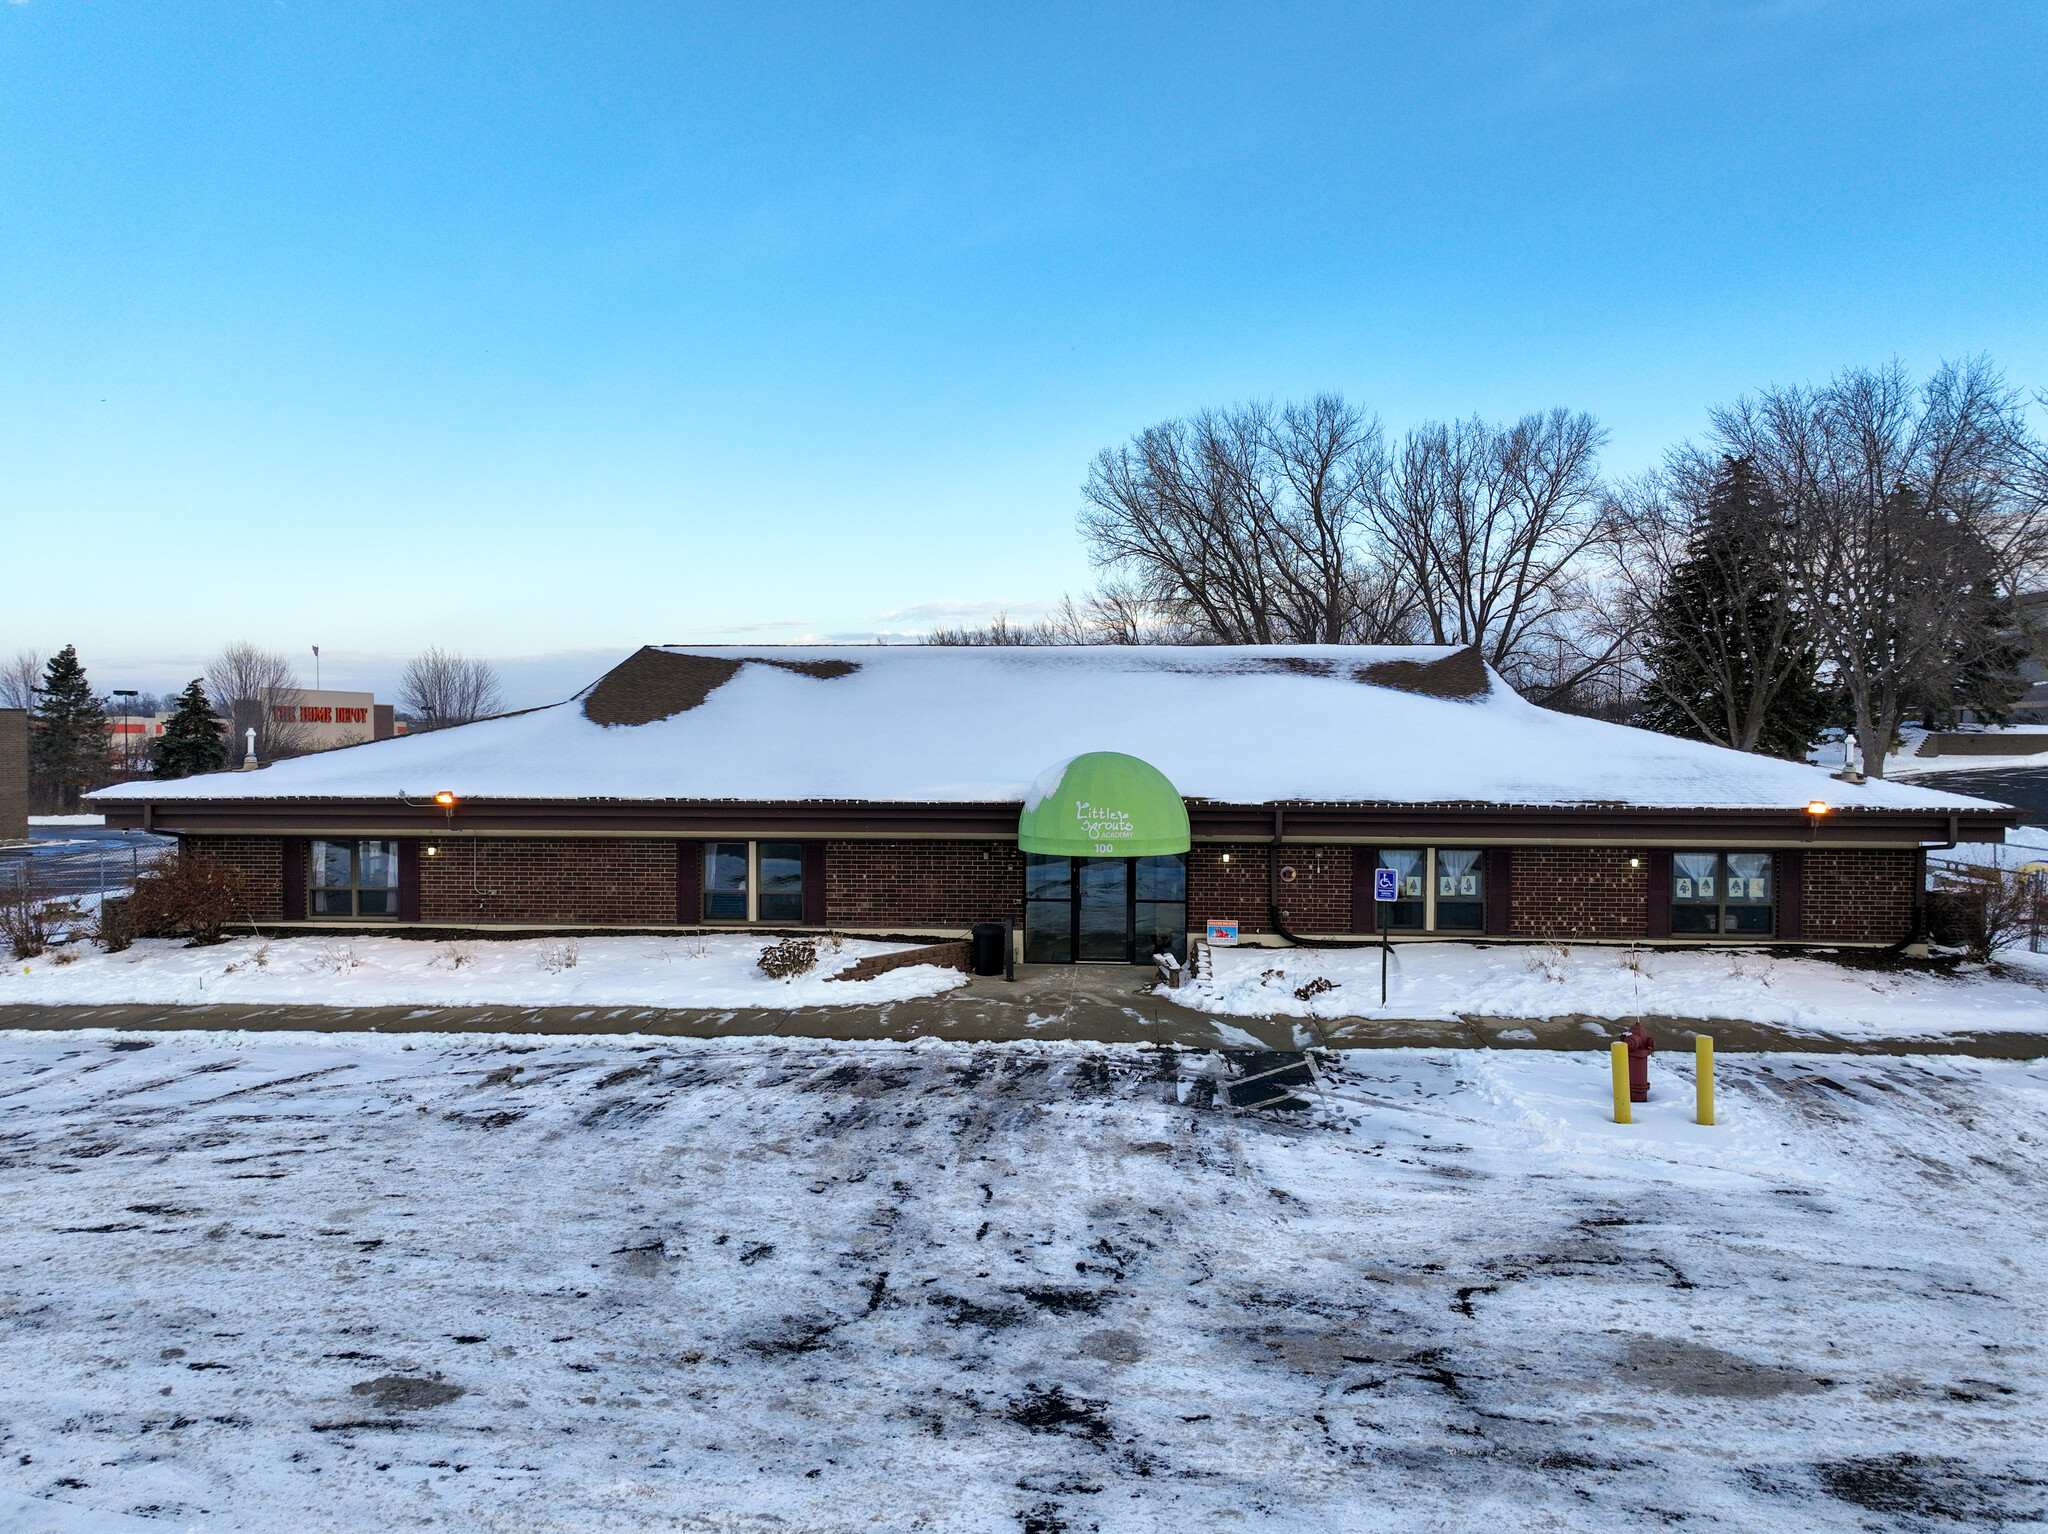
(347, 1282)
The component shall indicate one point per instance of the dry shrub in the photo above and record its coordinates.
(1981, 910)
(334, 959)
(1314, 988)
(557, 957)
(25, 922)
(114, 930)
(188, 895)
(789, 958)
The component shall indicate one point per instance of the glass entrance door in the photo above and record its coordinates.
(1105, 910)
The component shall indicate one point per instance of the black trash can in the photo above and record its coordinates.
(988, 948)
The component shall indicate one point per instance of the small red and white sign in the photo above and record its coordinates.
(1223, 934)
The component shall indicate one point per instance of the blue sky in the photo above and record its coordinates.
(546, 330)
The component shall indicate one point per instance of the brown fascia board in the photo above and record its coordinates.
(1363, 824)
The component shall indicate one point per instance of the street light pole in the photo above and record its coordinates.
(127, 747)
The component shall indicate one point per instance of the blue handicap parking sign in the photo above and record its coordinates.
(1386, 884)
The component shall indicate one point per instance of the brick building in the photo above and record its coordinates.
(13, 774)
(1111, 801)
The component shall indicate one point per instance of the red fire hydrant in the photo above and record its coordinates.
(1640, 1047)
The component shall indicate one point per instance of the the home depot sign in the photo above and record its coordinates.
(308, 714)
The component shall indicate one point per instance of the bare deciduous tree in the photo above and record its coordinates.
(1489, 527)
(18, 678)
(1241, 526)
(443, 689)
(1914, 510)
(258, 689)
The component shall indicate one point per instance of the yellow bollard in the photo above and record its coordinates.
(1703, 1078)
(1621, 1113)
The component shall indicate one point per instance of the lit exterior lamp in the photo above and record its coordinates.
(1815, 809)
(445, 799)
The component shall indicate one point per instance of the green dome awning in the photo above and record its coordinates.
(1103, 805)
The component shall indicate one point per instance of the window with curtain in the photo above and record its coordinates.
(1722, 893)
(1460, 890)
(1411, 869)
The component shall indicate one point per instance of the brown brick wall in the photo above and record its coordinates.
(1579, 892)
(261, 861)
(1318, 899)
(601, 881)
(1585, 893)
(922, 884)
(1859, 896)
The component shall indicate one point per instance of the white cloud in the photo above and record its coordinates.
(968, 612)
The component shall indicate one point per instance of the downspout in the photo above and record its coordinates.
(1918, 933)
(1278, 917)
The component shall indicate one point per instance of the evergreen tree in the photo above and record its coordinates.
(67, 735)
(192, 740)
(1731, 659)
(1972, 644)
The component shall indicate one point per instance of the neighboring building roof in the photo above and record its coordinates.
(1324, 724)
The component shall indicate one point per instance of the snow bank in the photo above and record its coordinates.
(715, 971)
(1451, 980)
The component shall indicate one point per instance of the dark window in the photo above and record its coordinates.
(781, 867)
(1460, 890)
(1722, 893)
(354, 878)
(754, 881)
(725, 881)
(1048, 909)
(1162, 906)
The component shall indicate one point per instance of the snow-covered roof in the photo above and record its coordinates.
(932, 724)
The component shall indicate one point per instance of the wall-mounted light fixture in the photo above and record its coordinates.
(433, 852)
(1635, 862)
(445, 799)
(1226, 857)
(1816, 807)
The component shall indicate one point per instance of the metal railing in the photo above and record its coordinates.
(96, 871)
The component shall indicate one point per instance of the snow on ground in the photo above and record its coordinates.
(67, 820)
(1450, 980)
(713, 971)
(344, 1282)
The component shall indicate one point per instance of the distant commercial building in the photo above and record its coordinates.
(329, 719)
(2033, 624)
(319, 721)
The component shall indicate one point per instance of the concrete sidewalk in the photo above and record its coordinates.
(1108, 1004)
